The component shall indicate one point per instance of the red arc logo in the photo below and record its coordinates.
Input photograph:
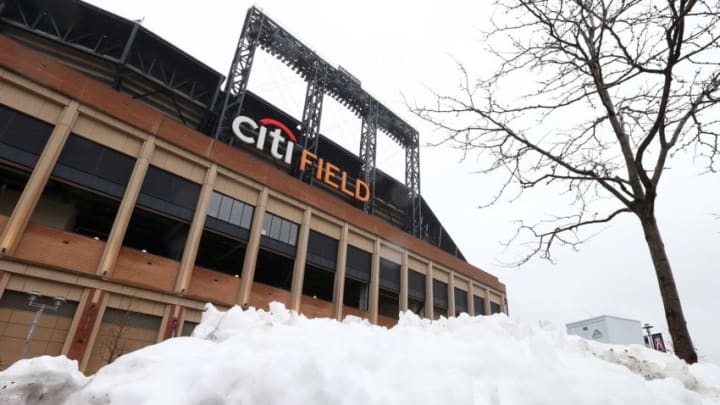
(278, 124)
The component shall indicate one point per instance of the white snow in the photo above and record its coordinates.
(278, 357)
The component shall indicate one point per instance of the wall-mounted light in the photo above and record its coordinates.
(35, 301)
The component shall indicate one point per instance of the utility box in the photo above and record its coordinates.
(608, 329)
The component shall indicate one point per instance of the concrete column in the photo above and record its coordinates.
(251, 252)
(339, 287)
(451, 295)
(471, 298)
(124, 213)
(81, 336)
(4, 280)
(404, 282)
(300, 256)
(38, 179)
(187, 262)
(429, 292)
(374, 283)
(487, 301)
(503, 304)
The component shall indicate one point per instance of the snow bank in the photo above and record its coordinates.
(278, 357)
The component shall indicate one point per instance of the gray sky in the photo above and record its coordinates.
(400, 49)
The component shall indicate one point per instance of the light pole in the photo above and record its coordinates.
(647, 328)
(34, 302)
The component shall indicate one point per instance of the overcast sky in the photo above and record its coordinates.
(398, 50)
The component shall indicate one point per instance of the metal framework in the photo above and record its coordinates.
(125, 45)
(368, 144)
(259, 30)
(312, 112)
(237, 79)
(412, 180)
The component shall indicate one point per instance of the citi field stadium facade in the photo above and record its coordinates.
(135, 186)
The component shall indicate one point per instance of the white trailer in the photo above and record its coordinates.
(608, 329)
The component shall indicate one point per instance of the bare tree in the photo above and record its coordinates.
(114, 344)
(613, 89)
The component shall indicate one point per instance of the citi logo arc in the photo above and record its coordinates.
(325, 171)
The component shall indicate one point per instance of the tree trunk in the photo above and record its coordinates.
(671, 300)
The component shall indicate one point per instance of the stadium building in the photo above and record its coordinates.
(135, 187)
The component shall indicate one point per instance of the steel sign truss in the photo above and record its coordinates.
(259, 30)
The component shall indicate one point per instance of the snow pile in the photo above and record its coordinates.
(278, 357)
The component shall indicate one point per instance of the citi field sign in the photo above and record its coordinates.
(271, 134)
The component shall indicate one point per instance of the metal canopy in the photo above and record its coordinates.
(133, 59)
(259, 30)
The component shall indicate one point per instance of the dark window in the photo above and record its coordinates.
(220, 253)
(274, 269)
(275, 238)
(132, 319)
(389, 276)
(168, 193)
(440, 298)
(229, 216)
(358, 264)
(461, 304)
(416, 292)
(416, 285)
(389, 300)
(479, 303)
(440, 294)
(156, 234)
(22, 137)
(356, 294)
(318, 283)
(214, 207)
(322, 250)
(188, 328)
(94, 166)
(357, 278)
(70, 208)
(388, 304)
(12, 183)
(494, 308)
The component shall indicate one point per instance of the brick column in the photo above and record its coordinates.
(172, 322)
(85, 325)
(300, 256)
(253, 246)
(375, 283)
(187, 262)
(124, 213)
(38, 179)
(429, 292)
(339, 286)
(404, 282)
